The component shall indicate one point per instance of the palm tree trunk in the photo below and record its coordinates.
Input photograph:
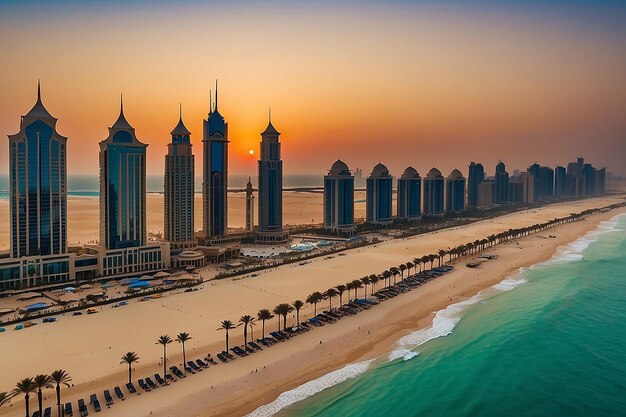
(58, 389)
(226, 341)
(245, 337)
(285, 321)
(130, 373)
(263, 327)
(164, 361)
(40, 401)
(27, 401)
(315, 308)
(298, 316)
(184, 358)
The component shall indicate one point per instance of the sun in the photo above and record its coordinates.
(251, 151)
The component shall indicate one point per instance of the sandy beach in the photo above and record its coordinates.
(89, 347)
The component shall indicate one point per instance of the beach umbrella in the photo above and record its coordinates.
(69, 289)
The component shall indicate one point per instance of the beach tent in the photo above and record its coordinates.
(139, 284)
(36, 307)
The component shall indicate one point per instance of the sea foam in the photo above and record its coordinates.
(311, 388)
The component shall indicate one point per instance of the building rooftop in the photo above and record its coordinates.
(410, 172)
(380, 170)
(339, 168)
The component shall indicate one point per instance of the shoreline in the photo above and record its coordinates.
(233, 389)
(385, 341)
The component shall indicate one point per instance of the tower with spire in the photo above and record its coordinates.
(270, 228)
(249, 207)
(122, 187)
(214, 175)
(38, 186)
(179, 189)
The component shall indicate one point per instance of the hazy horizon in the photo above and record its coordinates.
(402, 83)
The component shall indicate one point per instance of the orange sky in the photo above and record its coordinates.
(404, 84)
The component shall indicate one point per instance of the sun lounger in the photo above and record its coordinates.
(169, 378)
(82, 408)
(159, 379)
(199, 362)
(151, 383)
(211, 361)
(227, 355)
(144, 385)
(193, 366)
(255, 346)
(36, 414)
(47, 412)
(131, 388)
(118, 393)
(221, 358)
(107, 398)
(68, 412)
(93, 400)
(177, 371)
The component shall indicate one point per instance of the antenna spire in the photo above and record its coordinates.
(38, 90)
(121, 104)
(180, 111)
(215, 95)
(270, 115)
(210, 101)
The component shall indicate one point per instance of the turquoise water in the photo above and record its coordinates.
(549, 341)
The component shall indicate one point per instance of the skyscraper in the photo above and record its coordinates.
(122, 187)
(215, 175)
(270, 188)
(455, 191)
(560, 182)
(433, 193)
(339, 199)
(476, 175)
(249, 206)
(179, 189)
(378, 195)
(501, 195)
(409, 194)
(38, 185)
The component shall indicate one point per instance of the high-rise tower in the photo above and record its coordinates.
(476, 175)
(270, 188)
(215, 175)
(455, 191)
(501, 195)
(339, 199)
(409, 195)
(38, 185)
(249, 206)
(179, 189)
(433, 193)
(122, 187)
(378, 195)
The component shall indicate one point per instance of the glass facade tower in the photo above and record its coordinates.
(433, 193)
(270, 197)
(122, 187)
(455, 191)
(379, 195)
(38, 185)
(339, 198)
(409, 194)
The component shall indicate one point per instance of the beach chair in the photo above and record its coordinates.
(177, 371)
(193, 366)
(143, 385)
(151, 383)
(201, 363)
(118, 393)
(107, 398)
(82, 408)
(36, 414)
(222, 358)
(159, 379)
(47, 412)
(67, 411)
(169, 378)
(131, 388)
(93, 400)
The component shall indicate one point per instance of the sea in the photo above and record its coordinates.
(88, 185)
(550, 340)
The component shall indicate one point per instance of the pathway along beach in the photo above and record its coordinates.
(89, 347)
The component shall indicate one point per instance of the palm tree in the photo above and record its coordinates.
(315, 298)
(283, 310)
(410, 265)
(264, 314)
(226, 325)
(349, 287)
(298, 304)
(441, 254)
(374, 280)
(432, 258)
(276, 312)
(130, 358)
(4, 398)
(386, 276)
(27, 387)
(394, 271)
(330, 293)
(42, 381)
(182, 338)
(164, 340)
(418, 263)
(60, 377)
(357, 284)
(366, 281)
(425, 259)
(402, 268)
(245, 321)
(340, 289)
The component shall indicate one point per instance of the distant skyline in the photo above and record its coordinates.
(402, 83)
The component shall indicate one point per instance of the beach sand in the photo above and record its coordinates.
(89, 347)
(83, 213)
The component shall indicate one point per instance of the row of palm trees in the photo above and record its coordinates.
(36, 385)
(59, 378)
